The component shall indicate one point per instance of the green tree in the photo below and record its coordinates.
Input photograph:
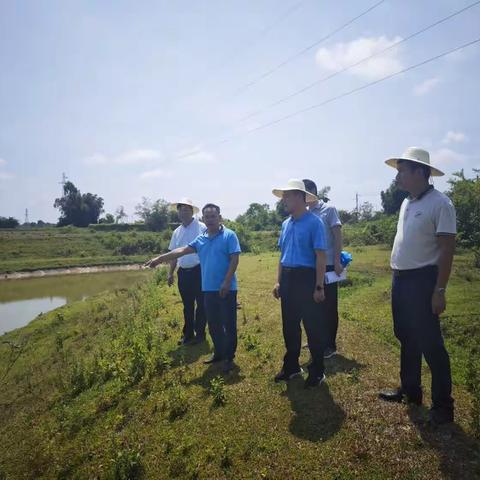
(154, 214)
(120, 214)
(76, 208)
(465, 195)
(9, 222)
(108, 218)
(392, 198)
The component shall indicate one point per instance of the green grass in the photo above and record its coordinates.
(33, 249)
(99, 389)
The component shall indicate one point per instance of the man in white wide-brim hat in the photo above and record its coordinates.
(421, 261)
(300, 283)
(189, 272)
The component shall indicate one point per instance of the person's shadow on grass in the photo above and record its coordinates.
(215, 370)
(315, 416)
(186, 354)
(341, 364)
(459, 453)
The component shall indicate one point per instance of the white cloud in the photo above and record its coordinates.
(444, 157)
(130, 157)
(196, 156)
(95, 159)
(156, 173)
(426, 86)
(454, 137)
(133, 157)
(342, 55)
(2, 162)
(5, 176)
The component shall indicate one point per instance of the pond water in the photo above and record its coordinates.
(22, 300)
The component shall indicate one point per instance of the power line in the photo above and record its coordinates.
(338, 97)
(356, 64)
(239, 51)
(305, 50)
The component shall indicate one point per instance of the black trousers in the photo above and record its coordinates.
(190, 287)
(331, 312)
(297, 286)
(418, 331)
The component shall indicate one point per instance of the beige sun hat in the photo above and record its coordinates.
(294, 184)
(185, 201)
(417, 155)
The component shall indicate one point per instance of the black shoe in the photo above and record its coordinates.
(228, 366)
(440, 415)
(212, 359)
(314, 380)
(283, 376)
(398, 395)
(329, 352)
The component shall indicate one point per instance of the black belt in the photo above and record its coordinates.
(298, 269)
(415, 271)
(189, 269)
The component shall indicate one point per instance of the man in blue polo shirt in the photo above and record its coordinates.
(218, 249)
(300, 283)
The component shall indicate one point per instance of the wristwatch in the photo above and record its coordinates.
(441, 290)
(319, 287)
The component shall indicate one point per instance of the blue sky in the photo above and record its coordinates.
(115, 93)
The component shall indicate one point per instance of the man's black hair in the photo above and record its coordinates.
(426, 171)
(211, 205)
(180, 205)
(311, 186)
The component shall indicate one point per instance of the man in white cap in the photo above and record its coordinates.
(189, 273)
(300, 283)
(421, 261)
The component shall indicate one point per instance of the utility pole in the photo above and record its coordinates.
(64, 180)
(356, 203)
(26, 216)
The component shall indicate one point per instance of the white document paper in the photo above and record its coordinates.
(332, 277)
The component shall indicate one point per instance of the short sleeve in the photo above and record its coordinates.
(280, 238)
(233, 244)
(446, 221)
(319, 237)
(333, 218)
(195, 244)
(173, 241)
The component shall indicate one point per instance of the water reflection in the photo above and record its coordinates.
(22, 300)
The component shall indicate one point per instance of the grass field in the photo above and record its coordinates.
(99, 389)
(33, 249)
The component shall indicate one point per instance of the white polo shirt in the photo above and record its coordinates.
(330, 218)
(419, 223)
(181, 237)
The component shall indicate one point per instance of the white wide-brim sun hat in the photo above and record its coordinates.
(185, 201)
(294, 184)
(417, 155)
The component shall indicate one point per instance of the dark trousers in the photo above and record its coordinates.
(190, 287)
(331, 312)
(418, 331)
(222, 323)
(297, 286)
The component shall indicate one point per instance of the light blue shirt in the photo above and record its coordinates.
(299, 239)
(330, 219)
(214, 253)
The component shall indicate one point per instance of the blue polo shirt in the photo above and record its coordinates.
(300, 238)
(214, 253)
